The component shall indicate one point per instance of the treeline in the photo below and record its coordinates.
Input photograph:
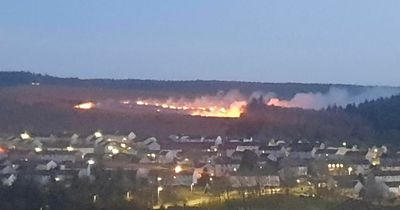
(264, 122)
(376, 121)
(284, 90)
(383, 114)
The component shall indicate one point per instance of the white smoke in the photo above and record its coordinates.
(335, 96)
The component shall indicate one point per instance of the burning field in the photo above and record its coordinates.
(232, 104)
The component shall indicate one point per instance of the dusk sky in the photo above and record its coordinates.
(338, 41)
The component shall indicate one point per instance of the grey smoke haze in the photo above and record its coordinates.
(335, 96)
(316, 101)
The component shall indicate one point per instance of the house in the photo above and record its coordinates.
(344, 149)
(8, 179)
(131, 136)
(358, 166)
(389, 166)
(326, 154)
(302, 150)
(183, 178)
(45, 177)
(387, 176)
(349, 186)
(15, 154)
(224, 166)
(167, 156)
(250, 145)
(84, 148)
(201, 168)
(394, 187)
(258, 178)
(59, 156)
(277, 151)
(46, 165)
(150, 144)
(354, 155)
(291, 168)
(9, 169)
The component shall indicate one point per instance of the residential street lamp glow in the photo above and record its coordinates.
(178, 169)
(350, 169)
(70, 149)
(115, 151)
(159, 189)
(38, 149)
(90, 163)
(98, 134)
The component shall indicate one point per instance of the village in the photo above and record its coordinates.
(232, 168)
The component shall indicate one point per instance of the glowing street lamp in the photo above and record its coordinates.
(94, 198)
(350, 169)
(90, 163)
(159, 189)
(98, 134)
(178, 169)
(110, 147)
(115, 151)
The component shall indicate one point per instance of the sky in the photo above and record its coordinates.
(332, 41)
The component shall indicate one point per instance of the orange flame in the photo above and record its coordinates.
(233, 110)
(85, 106)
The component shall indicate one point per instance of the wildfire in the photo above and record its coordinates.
(278, 102)
(85, 106)
(233, 110)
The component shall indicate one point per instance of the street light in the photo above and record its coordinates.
(90, 163)
(70, 149)
(350, 169)
(115, 151)
(178, 169)
(98, 134)
(159, 189)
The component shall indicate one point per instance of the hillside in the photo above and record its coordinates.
(47, 108)
(188, 88)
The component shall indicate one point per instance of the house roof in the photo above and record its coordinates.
(393, 184)
(326, 151)
(57, 152)
(346, 181)
(255, 172)
(186, 145)
(355, 154)
(226, 160)
(357, 161)
(271, 148)
(387, 173)
(292, 162)
(302, 147)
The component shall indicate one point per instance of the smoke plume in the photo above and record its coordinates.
(335, 96)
